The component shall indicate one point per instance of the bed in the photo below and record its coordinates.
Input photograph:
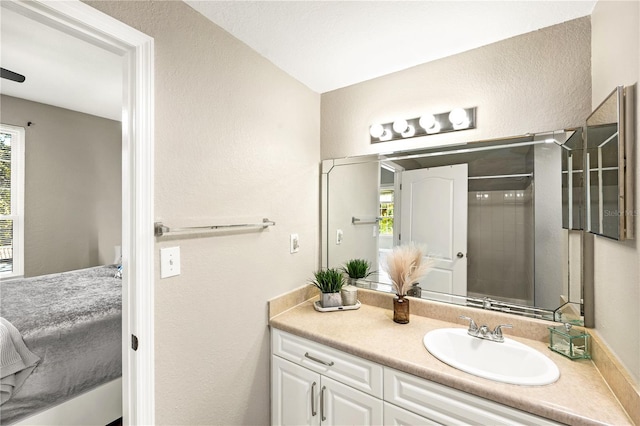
(72, 322)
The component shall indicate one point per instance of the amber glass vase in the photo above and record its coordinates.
(401, 309)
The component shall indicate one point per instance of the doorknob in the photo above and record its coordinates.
(460, 255)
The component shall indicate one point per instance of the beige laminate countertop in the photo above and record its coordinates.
(579, 397)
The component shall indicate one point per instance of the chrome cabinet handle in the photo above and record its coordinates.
(313, 400)
(460, 255)
(318, 360)
(322, 404)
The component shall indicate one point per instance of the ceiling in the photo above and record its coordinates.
(60, 69)
(325, 45)
(332, 44)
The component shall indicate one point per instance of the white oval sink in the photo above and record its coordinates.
(507, 362)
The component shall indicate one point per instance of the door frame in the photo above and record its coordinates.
(136, 49)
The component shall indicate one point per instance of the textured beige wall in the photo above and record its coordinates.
(535, 82)
(236, 138)
(73, 196)
(616, 61)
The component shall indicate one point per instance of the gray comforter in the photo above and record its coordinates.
(72, 321)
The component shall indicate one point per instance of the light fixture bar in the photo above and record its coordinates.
(428, 124)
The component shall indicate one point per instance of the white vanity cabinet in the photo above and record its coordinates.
(312, 384)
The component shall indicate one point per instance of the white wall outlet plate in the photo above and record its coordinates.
(294, 243)
(169, 262)
(339, 235)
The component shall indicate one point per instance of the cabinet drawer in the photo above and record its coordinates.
(353, 371)
(396, 416)
(450, 406)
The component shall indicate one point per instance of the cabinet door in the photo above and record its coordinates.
(295, 393)
(344, 405)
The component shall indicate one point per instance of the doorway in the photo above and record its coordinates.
(136, 50)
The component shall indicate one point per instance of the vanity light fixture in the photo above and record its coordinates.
(427, 124)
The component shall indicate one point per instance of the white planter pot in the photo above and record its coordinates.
(330, 300)
(349, 295)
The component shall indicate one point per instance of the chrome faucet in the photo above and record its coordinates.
(483, 331)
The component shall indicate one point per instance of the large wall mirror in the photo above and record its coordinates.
(609, 158)
(491, 214)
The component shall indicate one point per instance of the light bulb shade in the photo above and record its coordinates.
(458, 116)
(434, 129)
(409, 133)
(386, 135)
(376, 130)
(427, 121)
(400, 125)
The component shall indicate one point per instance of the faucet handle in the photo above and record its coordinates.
(473, 327)
(497, 332)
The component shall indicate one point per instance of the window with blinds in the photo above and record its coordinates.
(11, 200)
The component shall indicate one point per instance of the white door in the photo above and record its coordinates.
(295, 394)
(343, 405)
(434, 213)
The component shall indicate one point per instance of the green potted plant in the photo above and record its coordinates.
(357, 269)
(329, 282)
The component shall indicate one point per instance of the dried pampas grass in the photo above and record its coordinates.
(405, 265)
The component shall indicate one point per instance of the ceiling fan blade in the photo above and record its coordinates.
(10, 75)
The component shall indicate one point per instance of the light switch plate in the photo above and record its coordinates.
(339, 235)
(294, 243)
(169, 262)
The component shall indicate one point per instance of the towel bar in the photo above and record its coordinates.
(161, 230)
(355, 220)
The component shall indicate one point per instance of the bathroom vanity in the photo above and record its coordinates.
(313, 384)
(359, 367)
